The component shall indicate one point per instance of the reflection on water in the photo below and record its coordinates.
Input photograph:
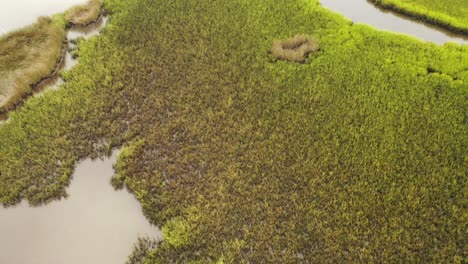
(15, 14)
(95, 224)
(362, 11)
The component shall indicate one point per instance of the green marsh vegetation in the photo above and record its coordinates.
(27, 56)
(358, 155)
(450, 14)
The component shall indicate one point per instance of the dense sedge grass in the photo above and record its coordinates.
(27, 56)
(84, 14)
(450, 14)
(358, 155)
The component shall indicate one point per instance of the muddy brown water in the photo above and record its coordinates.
(95, 224)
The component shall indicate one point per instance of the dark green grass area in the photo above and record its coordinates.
(357, 155)
(450, 14)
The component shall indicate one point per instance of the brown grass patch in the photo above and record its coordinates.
(84, 14)
(295, 49)
(26, 57)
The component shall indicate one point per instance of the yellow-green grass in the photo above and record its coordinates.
(84, 14)
(358, 155)
(27, 56)
(450, 14)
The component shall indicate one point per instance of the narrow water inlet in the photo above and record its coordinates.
(95, 224)
(362, 11)
(68, 61)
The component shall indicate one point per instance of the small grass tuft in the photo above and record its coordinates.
(295, 49)
(84, 14)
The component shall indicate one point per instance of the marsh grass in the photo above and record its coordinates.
(84, 14)
(27, 57)
(295, 49)
(356, 157)
(141, 250)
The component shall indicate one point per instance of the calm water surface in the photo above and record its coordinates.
(95, 225)
(362, 11)
(15, 14)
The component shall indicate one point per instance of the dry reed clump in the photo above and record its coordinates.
(84, 14)
(295, 49)
(27, 56)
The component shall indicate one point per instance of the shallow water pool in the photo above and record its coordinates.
(95, 224)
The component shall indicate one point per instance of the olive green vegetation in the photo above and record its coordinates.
(450, 14)
(359, 155)
(141, 249)
(295, 49)
(84, 14)
(27, 56)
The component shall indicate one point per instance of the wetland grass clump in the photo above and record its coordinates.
(84, 14)
(295, 49)
(27, 56)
